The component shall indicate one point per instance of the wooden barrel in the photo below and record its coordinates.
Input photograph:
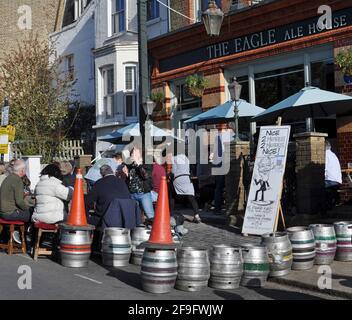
(138, 235)
(193, 269)
(256, 266)
(280, 253)
(226, 267)
(343, 232)
(303, 247)
(325, 243)
(116, 247)
(159, 270)
(75, 247)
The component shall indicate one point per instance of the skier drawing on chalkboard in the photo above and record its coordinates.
(265, 166)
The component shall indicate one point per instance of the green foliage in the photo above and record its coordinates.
(344, 61)
(38, 93)
(196, 85)
(157, 97)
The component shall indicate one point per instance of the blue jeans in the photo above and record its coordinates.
(146, 202)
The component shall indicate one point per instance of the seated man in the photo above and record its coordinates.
(12, 204)
(104, 192)
(333, 175)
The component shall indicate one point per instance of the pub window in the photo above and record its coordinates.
(245, 87)
(323, 75)
(274, 86)
(118, 16)
(185, 100)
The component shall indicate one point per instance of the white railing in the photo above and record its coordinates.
(69, 149)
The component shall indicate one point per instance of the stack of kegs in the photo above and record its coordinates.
(226, 267)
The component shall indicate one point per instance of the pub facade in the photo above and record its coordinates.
(274, 49)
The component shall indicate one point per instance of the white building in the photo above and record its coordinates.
(116, 67)
(99, 46)
(74, 43)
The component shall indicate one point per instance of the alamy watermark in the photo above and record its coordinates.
(24, 282)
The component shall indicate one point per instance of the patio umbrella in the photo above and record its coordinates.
(132, 130)
(94, 172)
(310, 102)
(225, 113)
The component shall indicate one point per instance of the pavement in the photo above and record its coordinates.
(52, 281)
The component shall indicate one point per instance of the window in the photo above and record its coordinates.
(131, 91)
(79, 7)
(130, 78)
(70, 67)
(108, 91)
(245, 87)
(274, 86)
(185, 100)
(118, 16)
(153, 10)
(131, 105)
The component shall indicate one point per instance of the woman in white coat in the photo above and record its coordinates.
(50, 195)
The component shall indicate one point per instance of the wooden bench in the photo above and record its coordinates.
(12, 247)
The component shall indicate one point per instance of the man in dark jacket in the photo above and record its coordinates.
(104, 192)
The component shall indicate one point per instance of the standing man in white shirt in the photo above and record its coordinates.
(333, 175)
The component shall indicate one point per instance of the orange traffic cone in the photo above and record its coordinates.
(77, 216)
(161, 231)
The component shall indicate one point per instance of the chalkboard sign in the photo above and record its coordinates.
(266, 186)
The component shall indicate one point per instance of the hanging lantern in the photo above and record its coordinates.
(212, 19)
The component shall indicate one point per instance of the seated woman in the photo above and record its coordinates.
(50, 195)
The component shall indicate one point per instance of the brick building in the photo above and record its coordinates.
(274, 48)
(19, 18)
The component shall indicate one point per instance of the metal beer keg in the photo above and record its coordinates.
(303, 247)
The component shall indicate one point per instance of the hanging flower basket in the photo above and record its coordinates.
(196, 85)
(344, 61)
(196, 92)
(347, 78)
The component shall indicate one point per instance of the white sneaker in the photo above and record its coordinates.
(16, 237)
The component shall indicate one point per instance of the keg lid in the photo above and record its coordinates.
(76, 228)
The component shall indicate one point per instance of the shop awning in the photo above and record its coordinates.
(132, 130)
(225, 113)
(310, 102)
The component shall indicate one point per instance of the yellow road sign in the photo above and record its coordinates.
(4, 148)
